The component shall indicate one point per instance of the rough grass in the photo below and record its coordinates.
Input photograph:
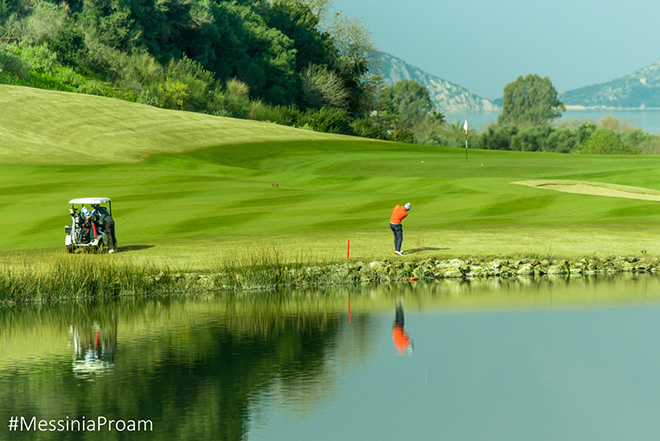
(193, 191)
(71, 277)
(49, 127)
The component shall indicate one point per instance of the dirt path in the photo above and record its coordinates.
(595, 188)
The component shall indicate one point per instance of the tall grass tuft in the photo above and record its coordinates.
(267, 270)
(263, 270)
(66, 277)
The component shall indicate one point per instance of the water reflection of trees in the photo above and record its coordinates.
(196, 366)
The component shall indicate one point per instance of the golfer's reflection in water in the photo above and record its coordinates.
(402, 341)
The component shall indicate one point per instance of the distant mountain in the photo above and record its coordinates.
(448, 97)
(638, 90)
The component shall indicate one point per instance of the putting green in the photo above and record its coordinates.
(196, 190)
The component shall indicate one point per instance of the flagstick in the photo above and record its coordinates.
(465, 126)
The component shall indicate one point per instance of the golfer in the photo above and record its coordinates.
(398, 214)
(401, 338)
(108, 224)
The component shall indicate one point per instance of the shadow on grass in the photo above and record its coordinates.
(129, 248)
(419, 250)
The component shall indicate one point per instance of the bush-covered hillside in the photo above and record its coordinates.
(257, 59)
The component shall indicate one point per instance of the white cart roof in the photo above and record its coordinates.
(89, 201)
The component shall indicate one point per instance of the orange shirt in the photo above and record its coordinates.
(401, 339)
(398, 214)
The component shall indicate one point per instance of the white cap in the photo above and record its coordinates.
(408, 206)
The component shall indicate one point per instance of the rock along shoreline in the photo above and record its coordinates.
(268, 276)
(387, 271)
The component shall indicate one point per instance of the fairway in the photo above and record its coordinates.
(193, 190)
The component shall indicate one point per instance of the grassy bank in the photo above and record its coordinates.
(87, 277)
(64, 277)
(193, 192)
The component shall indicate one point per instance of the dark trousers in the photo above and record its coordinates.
(397, 229)
(109, 227)
(398, 316)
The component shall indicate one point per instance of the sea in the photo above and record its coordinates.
(645, 119)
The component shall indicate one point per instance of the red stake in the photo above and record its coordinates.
(349, 310)
(348, 250)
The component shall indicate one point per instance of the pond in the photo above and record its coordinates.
(522, 359)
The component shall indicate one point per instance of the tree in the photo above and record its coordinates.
(323, 88)
(42, 24)
(408, 101)
(109, 22)
(531, 100)
(298, 21)
(356, 60)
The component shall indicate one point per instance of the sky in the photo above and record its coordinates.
(483, 45)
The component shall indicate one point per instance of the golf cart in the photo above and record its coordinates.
(85, 232)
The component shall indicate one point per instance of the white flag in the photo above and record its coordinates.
(465, 126)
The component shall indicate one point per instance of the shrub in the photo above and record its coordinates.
(107, 61)
(260, 111)
(91, 88)
(443, 139)
(45, 80)
(585, 131)
(150, 98)
(606, 142)
(562, 141)
(187, 85)
(140, 75)
(173, 93)
(13, 64)
(636, 138)
(284, 115)
(233, 101)
(497, 137)
(326, 120)
(69, 45)
(67, 75)
(401, 135)
(651, 145)
(39, 58)
(532, 139)
(367, 128)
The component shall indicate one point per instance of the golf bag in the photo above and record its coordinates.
(84, 227)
